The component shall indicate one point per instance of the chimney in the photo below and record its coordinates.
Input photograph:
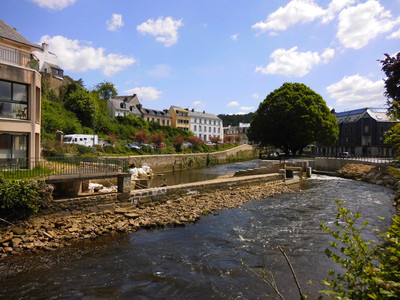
(45, 47)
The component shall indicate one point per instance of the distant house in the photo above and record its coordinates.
(205, 125)
(20, 99)
(180, 117)
(162, 117)
(238, 131)
(123, 106)
(361, 132)
(48, 62)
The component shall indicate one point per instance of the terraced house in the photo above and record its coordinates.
(20, 98)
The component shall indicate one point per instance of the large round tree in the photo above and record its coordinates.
(292, 117)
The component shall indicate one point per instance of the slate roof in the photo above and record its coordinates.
(11, 34)
(155, 112)
(199, 114)
(379, 114)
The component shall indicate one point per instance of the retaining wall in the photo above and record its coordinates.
(334, 164)
(174, 162)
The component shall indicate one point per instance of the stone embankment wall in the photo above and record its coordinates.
(174, 162)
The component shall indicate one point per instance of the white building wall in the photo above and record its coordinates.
(205, 126)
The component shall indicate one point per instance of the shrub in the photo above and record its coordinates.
(21, 198)
(369, 272)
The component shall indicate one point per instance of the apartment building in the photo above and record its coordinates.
(180, 117)
(205, 125)
(20, 99)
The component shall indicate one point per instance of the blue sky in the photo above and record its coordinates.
(221, 56)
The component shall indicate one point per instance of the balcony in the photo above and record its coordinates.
(20, 58)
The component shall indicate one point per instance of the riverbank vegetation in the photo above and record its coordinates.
(78, 110)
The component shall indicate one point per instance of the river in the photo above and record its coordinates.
(215, 258)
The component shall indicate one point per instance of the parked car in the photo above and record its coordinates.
(344, 154)
(134, 146)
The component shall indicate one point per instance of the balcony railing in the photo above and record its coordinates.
(23, 59)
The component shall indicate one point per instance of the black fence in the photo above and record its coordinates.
(19, 168)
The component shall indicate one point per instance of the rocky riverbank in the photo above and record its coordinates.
(51, 232)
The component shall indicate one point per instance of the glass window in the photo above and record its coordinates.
(14, 149)
(13, 100)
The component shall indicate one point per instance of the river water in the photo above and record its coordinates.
(215, 258)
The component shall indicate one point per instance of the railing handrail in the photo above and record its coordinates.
(18, 168)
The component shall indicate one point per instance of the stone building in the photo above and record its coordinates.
(239, 131)
(361, 132)
(20, 99)
(121, 106)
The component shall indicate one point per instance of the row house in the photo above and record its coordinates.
(122, 106)
(361, 132)
(161, 117)
(238, 131)
(20, 98)
(180, 117)
(205, 125)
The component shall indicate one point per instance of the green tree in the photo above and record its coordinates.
(293, 117)
(391, 68)
(106, 90)
(81, 103)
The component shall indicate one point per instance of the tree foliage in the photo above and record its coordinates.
(106, 90)
(391, 68)
(293, 117)
(234, 120)
(370, 271)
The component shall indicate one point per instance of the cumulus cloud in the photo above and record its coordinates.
(115, 22)
(145, 93)
(357, 91)
(334, 7)
(247, 108)
(394, 35)
(79, 56)
(362, 23)
(234, 37)
(54, 4)
(164, 29)
(161, 71)
(294, 63)
(296, 11)
(198, 104)
(233, 103)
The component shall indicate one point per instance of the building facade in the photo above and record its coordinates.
(20, 99)
(205, 125)
(180, 117)
(239, 132)
(121, 106)
(161, 117)
(361, 132)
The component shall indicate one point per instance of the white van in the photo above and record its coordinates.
(88, 140)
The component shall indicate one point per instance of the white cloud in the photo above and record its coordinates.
(145, 93)
(165, 30)
(362, 23)
(233, 103)
(296, 11)
(394, 35)
(334, 7)
(234, 37)
(198, 104)
(78, 56)
(247, 108)
(161, 71)
(357, 91)
(115, 22)
(256, 96)
(293, 63)
(54, 4)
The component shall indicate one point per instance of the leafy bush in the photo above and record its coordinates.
(369, 272)
(20, 198)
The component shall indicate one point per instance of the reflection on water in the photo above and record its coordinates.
(204, 260)
(207, 173)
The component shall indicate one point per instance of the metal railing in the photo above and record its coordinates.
(20, 168)
(387, 160)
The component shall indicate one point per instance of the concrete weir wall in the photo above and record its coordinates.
(174, 162)
(334, 164)
(95, 203)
